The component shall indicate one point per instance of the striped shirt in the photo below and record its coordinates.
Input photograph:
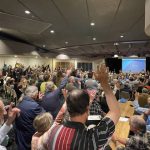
(75, 136)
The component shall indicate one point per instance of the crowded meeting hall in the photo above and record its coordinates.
(74, 74)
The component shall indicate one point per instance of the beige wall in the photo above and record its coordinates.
(27, 55)
(36, 60)
(25, 60)
(147, 17)
(97, 62)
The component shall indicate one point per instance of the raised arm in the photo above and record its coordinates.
(114, 110)
(60, 116)
(12, 113)
(65, 79)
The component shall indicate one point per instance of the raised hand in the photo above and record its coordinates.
(92, 94)
(12, 113)
(65, 93)
(102, 74)
(69, 70)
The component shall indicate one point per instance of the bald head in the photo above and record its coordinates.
(137, 124)
(77, 102)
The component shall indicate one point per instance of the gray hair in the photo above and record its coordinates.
(71, 78)
(50, 86)
(31, 91)
(139, 123)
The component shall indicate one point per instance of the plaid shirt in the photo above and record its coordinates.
(138, 142)
(95, 109)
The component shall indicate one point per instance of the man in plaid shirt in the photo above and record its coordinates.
(91, 86)
(141, 139)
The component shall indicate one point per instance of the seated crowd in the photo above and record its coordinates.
(50, 110)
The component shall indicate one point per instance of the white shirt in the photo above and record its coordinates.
(3, 132)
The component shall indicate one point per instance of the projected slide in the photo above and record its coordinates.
(133, 65)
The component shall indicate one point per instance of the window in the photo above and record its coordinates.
(84, 66)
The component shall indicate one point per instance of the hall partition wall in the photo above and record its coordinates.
(148, 63)
(114, 64)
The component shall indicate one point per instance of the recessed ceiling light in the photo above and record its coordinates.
(27, 12)
(115, 55)
(94, 39)
(66, 42)
(116, 43)
(92, 24)
(121, 36)
(52, 31)
(44, 45)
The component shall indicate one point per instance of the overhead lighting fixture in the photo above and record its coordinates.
(62, 48)
(133, 56)
(15, 56)
(52, 31)
(115, 56)
(62, 57)
(66, 42)
(92, 24)
(27, 12)
(116, 43)
(121, 36)
(94, 39)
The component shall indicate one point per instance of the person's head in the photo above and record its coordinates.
(32, 82)
(41, 77)
(90, 75)
(46, 77)
(78, 104)
(91, 85)
(137, 124)
(71, 79)
(118, 84)
(50, 86)
(141, 79)
(145, 90)
(59, 74)
(2, 112)
(43, 122)
(32, 91)
(142, 99)
(70, 87)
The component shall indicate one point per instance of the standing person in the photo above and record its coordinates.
(53, 98)
(73, 134)
(6, 127)
(24, 123)
(141, 138)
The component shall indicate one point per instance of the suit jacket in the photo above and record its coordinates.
(52, 101)
(24, 123)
